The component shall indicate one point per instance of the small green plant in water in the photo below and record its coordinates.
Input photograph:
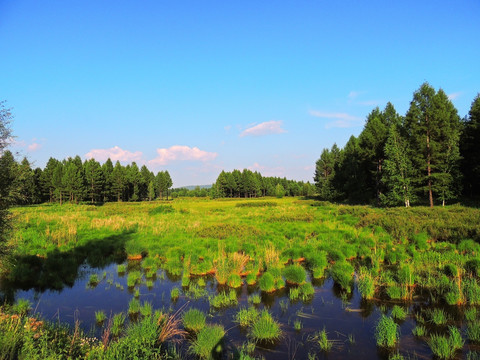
(473, 332)
(209, 342)
(193, 320)
(255, 299)
(223, 299)
(117, 324)
(419, 331)
(297, 325)
(321, 338)
(437, 316)
(445, 347)
(146, 309)
(295, 274)
(134, 306)
(93, 280)
(251, 279)
(386, 332)
(234, 281)
(175, 294)
(100, 317)
(265, 328)
(398, 313)
(471, 314)
(121, 269)
(267, 282)
(245, 317)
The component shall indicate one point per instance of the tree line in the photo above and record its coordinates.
(74, 181)
(248, 184)
(429, 156)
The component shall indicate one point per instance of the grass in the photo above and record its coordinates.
(398, 313)
(321, 338)
(473, 332)
(265, 328)
(386, 332)
(100, 317)
(444, 347)
(208, 342)
(22, 307)
(437, 316)
(193, 320)
(246, 317)
(419, 331)
(224, 299)
(174, 293)
(255, 299)
(117, 324)
(295, 274)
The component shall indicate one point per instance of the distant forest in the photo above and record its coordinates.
(429, 156)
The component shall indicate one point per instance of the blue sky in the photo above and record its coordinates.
(195, 87)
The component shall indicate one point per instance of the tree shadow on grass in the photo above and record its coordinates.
(59, 269)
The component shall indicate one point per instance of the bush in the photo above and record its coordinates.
(209, 342)
(295, 274)
(193, 320)
(386, 332)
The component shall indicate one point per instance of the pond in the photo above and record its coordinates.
(349, 321)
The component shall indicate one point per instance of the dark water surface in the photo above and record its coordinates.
(343, 319)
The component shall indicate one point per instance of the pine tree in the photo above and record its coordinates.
(118, 181)
(94, 178)
(325, 173)
(397, 170)
(470, 150)
(108, 193)
(433, 130)
(151, 191)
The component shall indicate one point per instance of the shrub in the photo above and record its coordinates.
(295, 274)
(193, 320)
(245, 317)
(267, 282)
(209, 341)
(265, 328)
(386, 332)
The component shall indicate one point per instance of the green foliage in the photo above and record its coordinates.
(224, 299)
(445, 347)
(234, 281)
(365, 284)
(22, 307)
(295, 274)
(209, 342)
(193, 320)
(267, 282)
(255, 299)
(146, 309)
(419, 331)
(251, 279)
(245, 317)
(386, 332)
(342, 273)
(473, 332)
(134, 306)
(174, 293)
(398, 313)
(321, 338)
(437, 316)
(117, 324)
(134, 278)
(265, 328)
(100, 316)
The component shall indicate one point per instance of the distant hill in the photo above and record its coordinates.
(192, 187)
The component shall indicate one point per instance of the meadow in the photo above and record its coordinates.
(244, 278)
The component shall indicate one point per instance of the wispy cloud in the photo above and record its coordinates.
(341, 120)
(115, 153)
(354, 94)
(34, 147)
(181, 153)
(454, 95)
(265, 128)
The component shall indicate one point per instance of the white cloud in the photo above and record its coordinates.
(34, 147)
(115, 153)
(265, 128)
(181, 153)
(354, 94)
(453, 96)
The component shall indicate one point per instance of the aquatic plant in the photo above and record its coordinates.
(473, 332)
(398, 313)
(245, 317)
(386, 332)
(133, 307)
(133, 278)
(419, 331)
(365, 284)
(100, 316)
(437, 316)
(342, 273)
(117, 324)
(255, 299)
(208, 342)
(223, 299)
(193, 320)
(265, 328)
(234, 281)
(297, 325)
(251, 279)
(471, 314)
(294, 293)
(295, 274)
(174, 293)
(146, 309)
(321, 338)
(185, 279)
(306, 291)
(121, 269)
(445, 347)
(267, 282)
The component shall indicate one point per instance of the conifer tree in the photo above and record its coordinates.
(470, 150)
